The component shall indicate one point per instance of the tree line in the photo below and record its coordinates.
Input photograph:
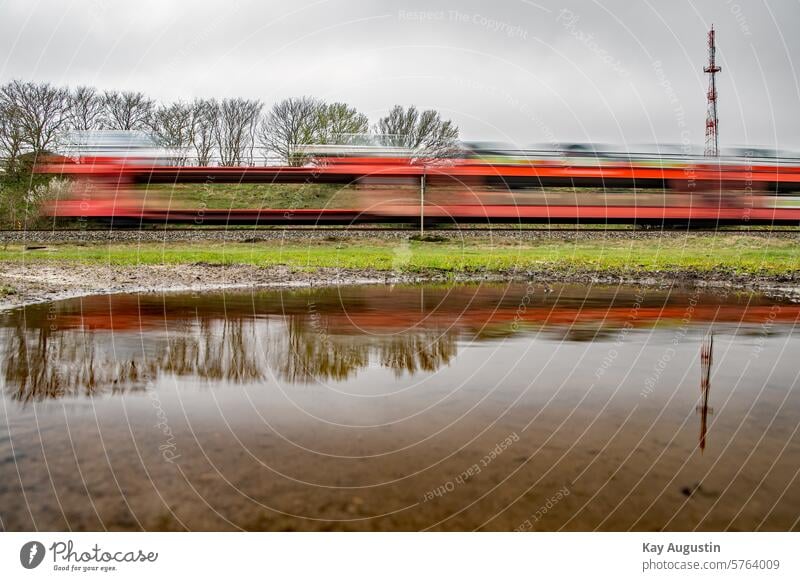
(37, 118)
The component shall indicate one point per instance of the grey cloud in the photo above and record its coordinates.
(519, 71)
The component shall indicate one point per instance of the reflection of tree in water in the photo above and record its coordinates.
(307, 352)
(41, 363)
(314, 354)
(215, 349)
(120, 342)
(416, 352)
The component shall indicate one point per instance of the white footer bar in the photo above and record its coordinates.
(401, 556)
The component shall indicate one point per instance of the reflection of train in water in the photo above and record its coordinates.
(62, 350)
(118, 180)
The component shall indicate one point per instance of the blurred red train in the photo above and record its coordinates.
(479, 183)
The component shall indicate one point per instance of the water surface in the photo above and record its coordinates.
(497, 407)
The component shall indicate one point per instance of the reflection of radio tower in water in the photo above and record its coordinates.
(712, 121)
(706, 359)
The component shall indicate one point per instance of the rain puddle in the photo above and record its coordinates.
(496, 407)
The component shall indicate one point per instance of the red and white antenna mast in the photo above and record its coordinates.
(712, 121)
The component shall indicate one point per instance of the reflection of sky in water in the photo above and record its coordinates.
(120, 342)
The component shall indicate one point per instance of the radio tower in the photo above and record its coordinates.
(712, 121)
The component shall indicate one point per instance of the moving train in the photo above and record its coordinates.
(126, 180)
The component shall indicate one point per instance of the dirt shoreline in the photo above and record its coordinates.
(34, 282)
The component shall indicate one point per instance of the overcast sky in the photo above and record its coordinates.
(612, 71)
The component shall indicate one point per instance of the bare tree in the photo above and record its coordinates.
(34, 115)
(338, 122)
(171, 127)
(425, 132)
(127, 111)
(86, 109)
(40, 109)
(290, 124)
(205, 113)
(12, 137)
(235, 130)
